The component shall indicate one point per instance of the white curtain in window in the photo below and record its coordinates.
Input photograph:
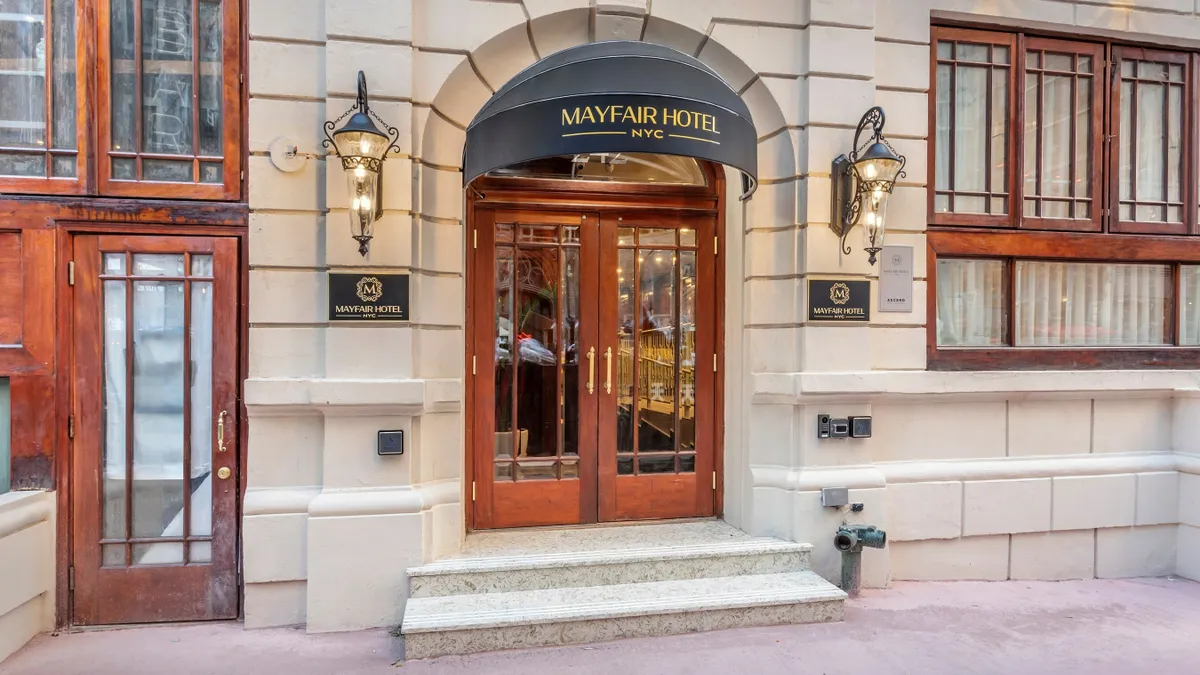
(1067, 304)
(1189, 305)
(970, 303)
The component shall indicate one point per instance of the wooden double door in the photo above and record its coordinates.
(593, 351)
(154, 412)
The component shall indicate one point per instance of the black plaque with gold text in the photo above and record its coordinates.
(839, 300)
(368, 297)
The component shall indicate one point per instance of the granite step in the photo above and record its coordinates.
(617, 565)
(469, 623)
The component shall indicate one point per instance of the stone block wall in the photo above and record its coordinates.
(978, 475)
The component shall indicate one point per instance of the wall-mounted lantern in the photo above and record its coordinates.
(362, 147)
(862, 184)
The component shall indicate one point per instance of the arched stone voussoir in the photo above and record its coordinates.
(503, 56)
(462, 94)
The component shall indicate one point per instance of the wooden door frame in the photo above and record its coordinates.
(66, 217)
(606, 198)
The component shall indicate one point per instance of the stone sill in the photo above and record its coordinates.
(25, 508)
(345, 396)
(792, 388)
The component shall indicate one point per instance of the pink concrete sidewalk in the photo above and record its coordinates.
(1136, 627)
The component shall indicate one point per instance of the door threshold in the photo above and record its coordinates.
(152, 624)
(596, 526)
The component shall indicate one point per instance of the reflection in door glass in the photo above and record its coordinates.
(687, 351)
(167, 354)
(626, 273)
(158, 365)
(537, 361)
(114, 410)
(504, 359)
(569, 389)
(656, 392)
(657, 332)
(200, 334)
(537, 349)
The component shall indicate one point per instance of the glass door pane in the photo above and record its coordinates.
(656, 345)
(537, 364)
(158, 405)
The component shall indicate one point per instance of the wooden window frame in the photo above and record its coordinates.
(229, 189)
(1188, 190)
(1062, 240)
(978, 37)
(77, 185)
(94, 114)
(1099, 86)
(1012, 245)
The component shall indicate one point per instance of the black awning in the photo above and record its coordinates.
(619, 96)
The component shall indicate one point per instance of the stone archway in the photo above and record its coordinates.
(451, 85)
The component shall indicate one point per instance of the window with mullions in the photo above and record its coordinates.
(40, 142)
(1062, 213)
(166, 111)
(169, 101)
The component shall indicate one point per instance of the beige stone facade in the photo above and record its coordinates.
(975, 475)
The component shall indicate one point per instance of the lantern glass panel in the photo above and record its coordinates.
(357, 143)
(873, 217)
(878, 168)
(363, 188)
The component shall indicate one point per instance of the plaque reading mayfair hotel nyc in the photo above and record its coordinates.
(368, 297)
(839, 300)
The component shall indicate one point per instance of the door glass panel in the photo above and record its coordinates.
(201, 408)
(538, 364)
(656, 338)
(569, 392)
(157, 265)
(626, 273)
(504, 359)
(115, 412)
(158, 367)
(161, 553)
(537, 346)
(657, 353)
(687, 352)
(200, 551)
(164, 491)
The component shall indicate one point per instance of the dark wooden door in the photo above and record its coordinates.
(154, 472)
(658, 338)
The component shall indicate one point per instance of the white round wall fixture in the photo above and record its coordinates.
(285, 155)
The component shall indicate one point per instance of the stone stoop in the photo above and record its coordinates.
(536, 588)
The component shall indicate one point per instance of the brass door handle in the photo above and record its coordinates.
(221, 431)
(608, 370)
(224, 473)
(592, 370)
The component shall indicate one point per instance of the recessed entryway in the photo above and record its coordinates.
(593, 343)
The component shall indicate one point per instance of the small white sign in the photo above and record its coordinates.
(896, 279)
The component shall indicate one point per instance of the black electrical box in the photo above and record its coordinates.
(391, 443)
